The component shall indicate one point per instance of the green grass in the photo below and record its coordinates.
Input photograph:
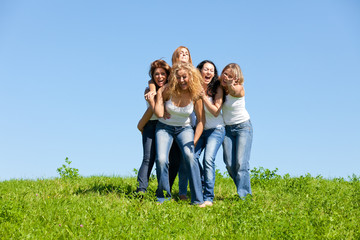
(99, 207)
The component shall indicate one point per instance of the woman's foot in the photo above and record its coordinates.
(201, 205)
(183, 197)
(208, 203)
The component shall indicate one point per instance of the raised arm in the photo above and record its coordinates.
(200, 120)
(235, 89)
(161, 97)
(150, 94)
(215, 106)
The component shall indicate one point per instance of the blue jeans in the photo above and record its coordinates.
(184, 136)
(148, 141)
(210, 140)
(236, 149)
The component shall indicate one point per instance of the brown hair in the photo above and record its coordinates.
(176, 55)
(159, 64)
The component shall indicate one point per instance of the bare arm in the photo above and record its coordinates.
(214, 107)
(235, 89)
(161, 97)
(200, 120)
(150, 94)
(144, 119)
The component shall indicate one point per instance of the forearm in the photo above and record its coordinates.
(200, 120)
(198, 131)
(144, 119)
(159, 105)
(214, 109)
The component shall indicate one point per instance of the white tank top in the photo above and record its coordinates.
(180, 116)
(153, 117)
(234, 111)
(212, 121)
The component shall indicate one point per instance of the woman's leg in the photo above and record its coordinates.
(183, 179)
(175, 158)
(185, 139)
(229, 150)
(148, 141)
(214, 140)
(242, 163)
(164, 139)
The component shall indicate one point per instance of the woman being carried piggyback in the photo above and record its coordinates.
(239, 131)
(159, 73)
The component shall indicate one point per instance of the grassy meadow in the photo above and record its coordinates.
(101, 207)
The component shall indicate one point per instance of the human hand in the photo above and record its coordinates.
(167, 115)
(202, 94)
(149, 95)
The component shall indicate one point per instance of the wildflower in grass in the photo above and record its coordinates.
(81, 225)
(37, 194)
(59, 225)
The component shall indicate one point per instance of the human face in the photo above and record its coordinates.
(160, 76)
(183, 79)
(184, 55)
(207, 72)
(227, 76)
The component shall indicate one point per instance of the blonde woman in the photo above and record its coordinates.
(238, 129)
(180, 97)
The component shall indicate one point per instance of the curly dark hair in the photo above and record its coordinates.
(214, 83)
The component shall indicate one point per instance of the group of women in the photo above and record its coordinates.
(190, 111)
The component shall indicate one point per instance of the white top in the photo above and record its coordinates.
(153, 117)
(212, 121)
(234, 111)
(180, 116)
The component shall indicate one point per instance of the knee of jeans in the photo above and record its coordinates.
(161, 159)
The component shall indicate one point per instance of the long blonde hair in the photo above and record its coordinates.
(195, 80)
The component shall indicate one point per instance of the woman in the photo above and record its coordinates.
(214, 130)
(238, 129)
(182, 54)
(159, 72)
(180, 97)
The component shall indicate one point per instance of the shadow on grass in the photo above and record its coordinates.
(104, 189)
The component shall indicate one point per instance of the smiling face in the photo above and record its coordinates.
(182, 77)
(184, 55)
(207, 72)
(227, 75)
(160, 76)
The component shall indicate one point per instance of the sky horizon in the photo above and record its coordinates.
(72, 76)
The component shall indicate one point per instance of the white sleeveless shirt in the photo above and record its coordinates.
(153, 117)
(212, 121)
(180, 116)
(234, 111)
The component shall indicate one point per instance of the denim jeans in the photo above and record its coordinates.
(236, 149)
(184, 136)
(210, 141)
(148, 141)
(184, 176)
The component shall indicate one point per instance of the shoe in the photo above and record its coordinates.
(183, 197)
(208, 203)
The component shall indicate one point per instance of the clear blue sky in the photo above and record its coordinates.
(72, 76)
